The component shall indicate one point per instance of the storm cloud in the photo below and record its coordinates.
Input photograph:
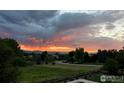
(70, 29)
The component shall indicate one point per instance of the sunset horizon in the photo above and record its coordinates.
(64, 30)
(61, 46)
(53, 49)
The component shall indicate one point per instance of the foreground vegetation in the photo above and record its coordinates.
(9, 52)
(44, 73)
(19, 66)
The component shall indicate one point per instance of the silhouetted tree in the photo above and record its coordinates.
(102, 55)
(62, 56)
(120, 58)
(14, 45)
(86, 57)
(8, 71)
(51, 59)
(112, 53)
(71, 57)
(38, 59)
(79, 55)
(93, 58)
(44, 57)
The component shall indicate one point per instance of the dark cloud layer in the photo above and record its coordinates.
(73, 20)
(50, 27)
(16, 16)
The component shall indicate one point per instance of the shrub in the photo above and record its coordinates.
(9, 50)
(111, 66)
(51, 59)
(21, 62)
(8, 72)
(120, 59)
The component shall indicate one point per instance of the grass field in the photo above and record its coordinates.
(39, 73)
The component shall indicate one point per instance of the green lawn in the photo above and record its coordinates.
(39, 73)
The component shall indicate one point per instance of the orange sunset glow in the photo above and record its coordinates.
(47, 48)
(63, 31)
(51, 48)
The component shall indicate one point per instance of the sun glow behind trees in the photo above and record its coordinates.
(51, 48)
(47, 48)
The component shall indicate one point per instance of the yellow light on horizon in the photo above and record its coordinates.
(51, 48)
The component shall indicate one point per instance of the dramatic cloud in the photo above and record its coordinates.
(72, 20)
(110, 26)
(63, 30)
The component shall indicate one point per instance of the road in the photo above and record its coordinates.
(81, 80)
(59, 62)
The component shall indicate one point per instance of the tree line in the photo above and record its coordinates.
(113, 60)
(12, 57)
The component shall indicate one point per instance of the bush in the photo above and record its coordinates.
(51, 59)
(111, 66)
(8, 72)
(120, 59)
(21, 62)
(9, 50)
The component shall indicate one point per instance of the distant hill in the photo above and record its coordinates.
(39, 52)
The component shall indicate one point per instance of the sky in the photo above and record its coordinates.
(63, 30)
